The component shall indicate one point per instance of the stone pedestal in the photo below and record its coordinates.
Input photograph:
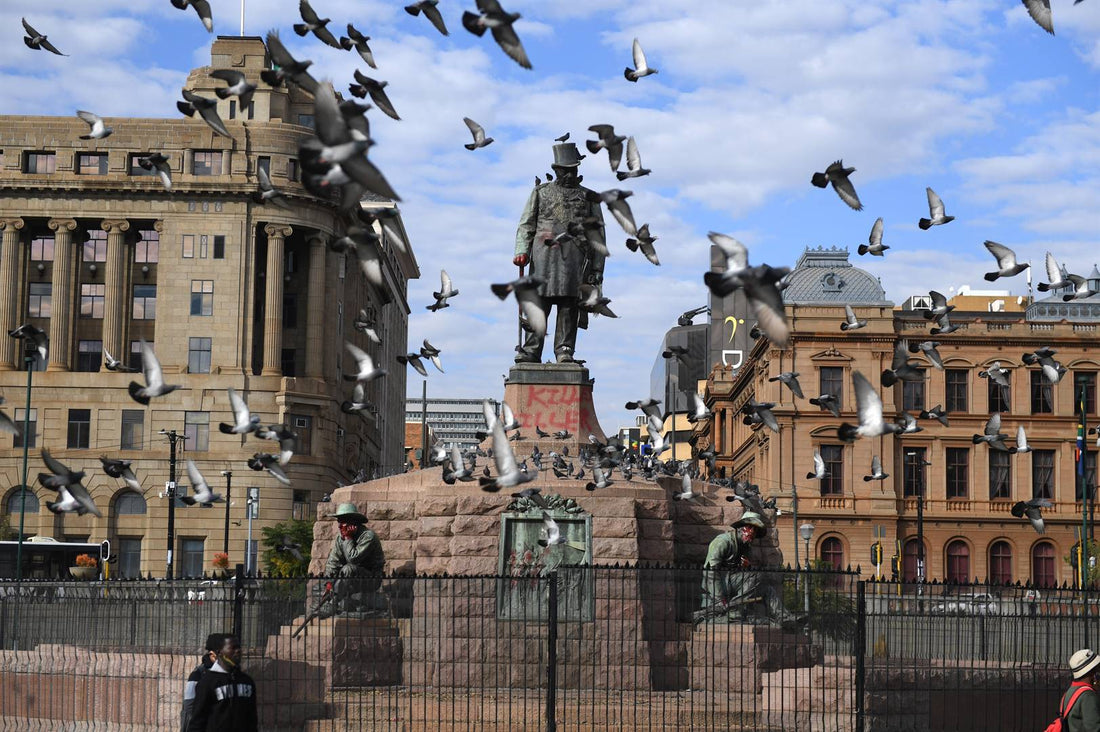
(552, 397)
(354, 652)
(731, 658)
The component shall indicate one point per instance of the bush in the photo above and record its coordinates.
(283, 563)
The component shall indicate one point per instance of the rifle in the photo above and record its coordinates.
(717, 609)
(329, 594)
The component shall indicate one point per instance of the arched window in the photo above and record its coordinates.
(832, 553)
(958, 562)
(1000, 562)
(130, 503)
(15, 502)
(1042, 565)
(909, 561)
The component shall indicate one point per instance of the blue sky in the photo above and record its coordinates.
(969, 97)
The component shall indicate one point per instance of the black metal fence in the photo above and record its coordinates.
(578, 649)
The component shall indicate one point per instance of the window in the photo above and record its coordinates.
(219, 246)
(147, 250)
(204, 245)
(40, 300)
(833, 483)
(130, 503)
(1042, 565)
(292, 169)
(911, 556)
(42, 249)
(913, 473)
(305, 120)
(16, 501)
(1042, 394)
(196, 429)
(145, 303)
(1042, 474)
(89, 355)
(41, 163)
(133, 429)
(91, 164)
(264, 163)
(80, 428)
(1086, 380)
(232, 109)
(303, 426)
(188, 246)
(1000, 396)
(95, 249)
(1000, 474)
(91, 300)
(202, 297)
(341, 266)
(1000, 563)
(286, 362)
(198, 355)
(31, 429)
(133, 167)
(832, 382)
(955, 387)
(129, 558)
(207, 162)
(958, 472)
(136, 360)
(912, 394)
(958, 562)
(832, 553)
(300, 507)
(191, 551)
(290, 310)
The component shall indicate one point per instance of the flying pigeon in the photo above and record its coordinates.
(935, 210)
(268, 192)
(358, 41)
(996, 373)
(458, 469)
(30, 332)
(851, 322)
(341, 146)
(819, 471)
(508, 474)
(365, 85)
(937, 414)
(837, 174)
(431, 12)
(1039, 10)
(939, 306)
(243, 420)
(480, 140)
(607, 140)
(944, 326)
(761, 288)
(431, 353)
(900, 368)
(37, 41)
(263, 461)
(761, 412)
(238, 86)
(1021, 441)
(364, 363)
(286, 437)
(699, 410)
(414, 360)
(358, 402)
(907, 424)
(154, 378)
(790, 378)
(736, 255)
(207, 109)
(644, 242)
(446, 291)
(286, 67)
(876, 470)
(592, 301)
(928, 348)
(827, 402)
(530, 302)
(993, 436)
(120, 469)
(1006, 262)
(641, 68)
(72, 494)
(202, 9)
(286, 545)
(158, 162)
(6, 423)
(634, 167)
(1052, 370)
(685, 493)
(869, 408)
(874, 245)
(201, 493)
(95, 122)
(492, 17)
(315, 24)
(1032, 511)
(362, 324)
(600, 479)
(553, 532)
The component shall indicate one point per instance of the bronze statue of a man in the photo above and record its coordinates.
(355, 562)
(551, 237)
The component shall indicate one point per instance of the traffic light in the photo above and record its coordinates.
(895, 565)
(876, 554)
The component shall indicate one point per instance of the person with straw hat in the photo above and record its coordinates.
(730, 591)
(355, 562)
(1080, 706)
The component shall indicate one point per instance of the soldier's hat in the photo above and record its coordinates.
(348, 512)
(566, 155)
(750, 518)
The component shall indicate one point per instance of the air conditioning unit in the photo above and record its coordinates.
(339, 431)
(302, 422)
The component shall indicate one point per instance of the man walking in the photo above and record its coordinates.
(214, 643)
(225, 698)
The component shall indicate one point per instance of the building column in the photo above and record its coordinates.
(9, 289)
(315, 307)
(273, 299)
(114, 301)
(61, 315)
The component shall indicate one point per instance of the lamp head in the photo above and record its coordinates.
(806, 531)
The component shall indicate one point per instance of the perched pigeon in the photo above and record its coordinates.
(1006, 262)
(120, 469)
(154, 378)
(314, 24)
(286, 68)
(935, 211)
(158, 162)
(238, 86)
(644, 242)
(993, 436)
(634, 167)
(492, 17)
(790, 378)
(827, 402)
(206, 108)
(243, 420)
(37, 41)
(263, 461)
(446, 291)
(607, 140)
(874, 245)
(851, 322)
(530, 302)
(34, 334)
(358, 41)
(202, 9)
(364, 364)
(431, 12)
(837, 174)
(200, 489)
(641, 68)
(95, 122)
(869, 408)
(819, 471)
(1032, 511)
(365, 85)
(508, 474)
(900, 367)
(876, 470)
(937, 414)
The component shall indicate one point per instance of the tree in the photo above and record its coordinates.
(1093, 576)
(282, 562)
(7, 531)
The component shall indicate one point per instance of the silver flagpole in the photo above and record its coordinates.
(242, 17)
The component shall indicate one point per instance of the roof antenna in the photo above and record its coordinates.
(242, 18)
(1030, 299)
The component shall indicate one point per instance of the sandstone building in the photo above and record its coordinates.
(230, 293)
(968, 489)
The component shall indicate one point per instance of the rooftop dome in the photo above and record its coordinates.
(824, 276)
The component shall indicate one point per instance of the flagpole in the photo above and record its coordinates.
(1081, 487)
(242, 18)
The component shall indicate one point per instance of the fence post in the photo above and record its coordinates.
(859, 651)
(238, 601)
(552, 653)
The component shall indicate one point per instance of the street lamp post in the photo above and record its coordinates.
(30, 352)
(807, 532)
(253, 501)
(173, 438)
(228, 497)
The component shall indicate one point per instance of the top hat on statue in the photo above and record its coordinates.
(566, 155)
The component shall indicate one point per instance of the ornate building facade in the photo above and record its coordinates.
(968, 490)
(230, 293)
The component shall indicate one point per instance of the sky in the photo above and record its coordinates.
(969, 97)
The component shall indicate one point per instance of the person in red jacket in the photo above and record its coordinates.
(225, 699)
(1084, 714)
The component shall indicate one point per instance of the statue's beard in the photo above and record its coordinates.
(568, 177)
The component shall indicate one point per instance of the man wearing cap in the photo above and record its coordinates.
(1080, 705)
(551, 238)
(727, 583)
(356, 561)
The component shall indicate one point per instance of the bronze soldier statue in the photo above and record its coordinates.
(551, 237)
(356, 563)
